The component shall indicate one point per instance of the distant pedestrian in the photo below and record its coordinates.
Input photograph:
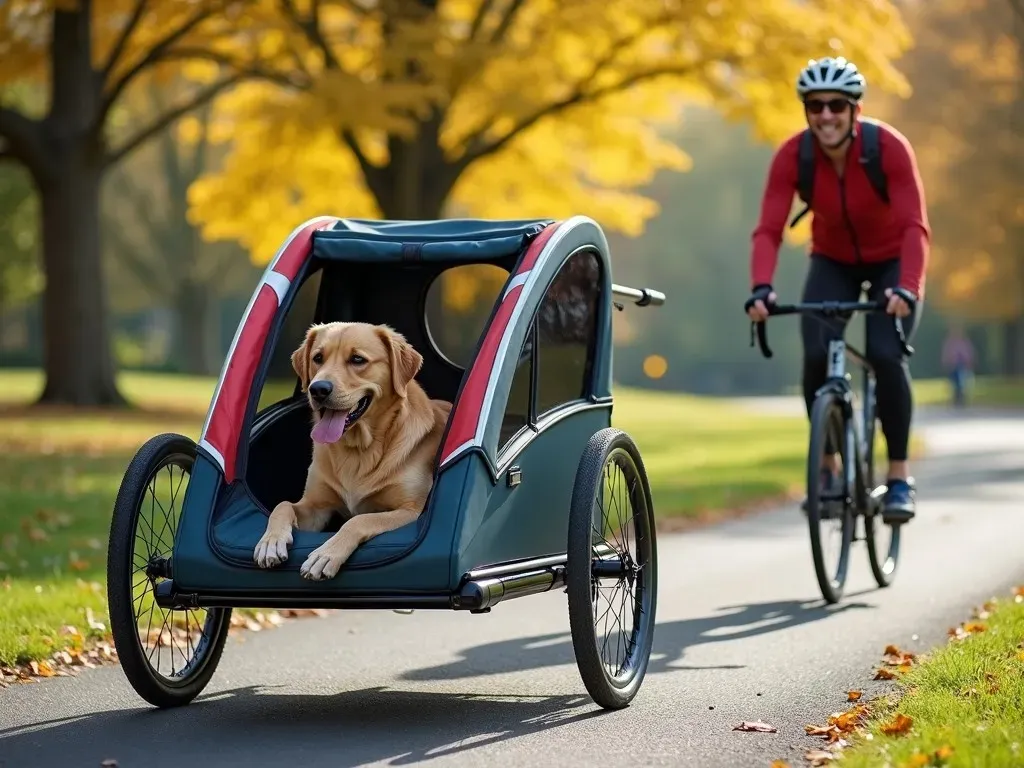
(958, 361)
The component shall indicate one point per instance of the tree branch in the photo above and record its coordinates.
(204, 96)
(243, 70)
(311, 29)
(122, 41)
(477, 148)
(23, 136)
(156, 53)
(506, 21)
(371, 172)
(478, 20)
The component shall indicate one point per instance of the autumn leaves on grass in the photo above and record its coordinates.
(965, 699)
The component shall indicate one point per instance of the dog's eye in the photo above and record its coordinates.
(357, 359)
(318, 358)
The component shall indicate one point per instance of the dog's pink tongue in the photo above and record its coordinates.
(330, 428)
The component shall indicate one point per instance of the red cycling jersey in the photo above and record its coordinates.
(851, 223)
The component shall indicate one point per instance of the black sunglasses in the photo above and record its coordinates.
(835, 106)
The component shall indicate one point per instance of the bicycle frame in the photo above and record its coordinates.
(861, 475)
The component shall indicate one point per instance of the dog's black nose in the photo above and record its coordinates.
(320, 390)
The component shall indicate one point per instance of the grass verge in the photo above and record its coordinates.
(984, 391)
(962, 704)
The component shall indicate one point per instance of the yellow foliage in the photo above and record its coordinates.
(499, 109)
(964, 122)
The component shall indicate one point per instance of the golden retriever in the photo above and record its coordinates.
(375, 435)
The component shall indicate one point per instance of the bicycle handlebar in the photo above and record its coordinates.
(828, 309)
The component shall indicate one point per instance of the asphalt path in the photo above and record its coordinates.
(742, 634)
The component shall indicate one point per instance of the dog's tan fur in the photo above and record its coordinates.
(380, 472)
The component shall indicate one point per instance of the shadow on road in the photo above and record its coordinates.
(249, 726)
(252, 726)
(671, 639)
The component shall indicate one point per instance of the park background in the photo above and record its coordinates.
(155, 153)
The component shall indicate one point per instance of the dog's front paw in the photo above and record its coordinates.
(324, 562)
(272, 549)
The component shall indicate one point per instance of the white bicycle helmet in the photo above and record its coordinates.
(831, 74)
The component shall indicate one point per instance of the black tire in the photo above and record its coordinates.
(129, 583)
(827, 416)
(611, 453)
(883, 540)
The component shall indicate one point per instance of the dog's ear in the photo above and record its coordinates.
(405, 361)
(300, 357)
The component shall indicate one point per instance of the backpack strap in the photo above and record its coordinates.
(805, 174)
(871, 157)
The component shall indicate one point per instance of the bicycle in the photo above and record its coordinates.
(833, 416)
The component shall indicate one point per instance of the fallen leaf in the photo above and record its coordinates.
(975, 626)
(899, 725)
(820, 730)
(818, 756)
(755, 725)
(917, 760)
(853, 695)
(99, 626)
(779, 764)
(884, 674)
(1018, 591)
(943, 753)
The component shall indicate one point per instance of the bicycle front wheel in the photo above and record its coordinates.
(829, 512)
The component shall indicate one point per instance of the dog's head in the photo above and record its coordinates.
(350, 369)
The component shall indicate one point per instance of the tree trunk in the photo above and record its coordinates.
(196, 338)
(77, 354)
(1013, 347)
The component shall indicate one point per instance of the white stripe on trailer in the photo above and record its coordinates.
(214, 453)
(279, 283)
(533, 275)
(516, 281)
(265, 280)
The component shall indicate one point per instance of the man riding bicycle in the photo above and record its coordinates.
(857, 237)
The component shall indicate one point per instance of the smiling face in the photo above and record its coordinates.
(830, 114)
(347, 369)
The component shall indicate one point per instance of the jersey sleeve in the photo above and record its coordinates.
(776, 203)
(906, 195)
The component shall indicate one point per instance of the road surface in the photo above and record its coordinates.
(742, 635)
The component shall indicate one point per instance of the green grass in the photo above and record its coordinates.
(985, 391)
(703, 455)
(967, 697)
(61, 471)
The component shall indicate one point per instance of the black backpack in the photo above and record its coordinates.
(870, 158)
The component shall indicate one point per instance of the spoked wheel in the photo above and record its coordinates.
(612, 569)
(883, 540)
(168, 655)
(830, 518)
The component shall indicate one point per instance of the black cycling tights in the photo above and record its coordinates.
(830, 281)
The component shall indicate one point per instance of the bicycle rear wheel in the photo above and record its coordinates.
(829, 517)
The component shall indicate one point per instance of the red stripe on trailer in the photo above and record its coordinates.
(225, 427)
(296, 252)
(466, 415)
(533, 252)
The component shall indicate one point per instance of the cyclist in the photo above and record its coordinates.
(856, 238)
